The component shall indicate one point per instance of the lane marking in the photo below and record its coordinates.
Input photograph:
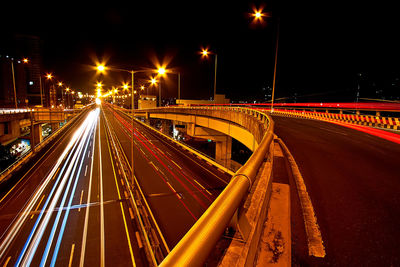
(118, 142)
(202, 186)
(80, 202)
(71, 255)
(176, 164)
(102, 234)
(139, 240)
(155, 167)
(173, 189)
(38, 205)
(121, 206)
(85, 228)
(314, 237)
(7, 261)
(131, 213)
(86, 169)
(54, 177)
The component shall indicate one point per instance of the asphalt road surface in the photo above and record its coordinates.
(68, 209)
(178, 186)
(353, 180)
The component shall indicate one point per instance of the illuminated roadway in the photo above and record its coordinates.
(71, 207)
(353, 182)
(178, 186)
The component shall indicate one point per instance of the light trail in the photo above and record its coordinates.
(28, 253)
(69, 160)
(142, 140)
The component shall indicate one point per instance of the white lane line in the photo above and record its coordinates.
(86, 169)
(102, 245)
(26, 255)
(85, 228)
(314, 237)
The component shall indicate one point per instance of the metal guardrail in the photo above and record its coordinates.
(196, 245)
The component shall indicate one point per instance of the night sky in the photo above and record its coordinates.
(326, 48)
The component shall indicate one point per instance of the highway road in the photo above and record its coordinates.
(353, 181)
(177, 186)
(69, 209)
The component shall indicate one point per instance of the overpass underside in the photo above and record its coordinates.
(221, 131)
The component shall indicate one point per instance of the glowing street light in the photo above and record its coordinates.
(101, 68)
(25, 60)
(49, 76)
(153, 81)
(204, 53)
(258, 17)
(161, 70)
(99, 85)
(125, 86)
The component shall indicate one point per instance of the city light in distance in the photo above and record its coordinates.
(98, 101)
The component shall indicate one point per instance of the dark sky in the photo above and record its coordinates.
(323, 44)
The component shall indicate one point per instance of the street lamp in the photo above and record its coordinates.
(101, 68)
(25, 61)
(162, 71)
(204, 54)
(258, 17)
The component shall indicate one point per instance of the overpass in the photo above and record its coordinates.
(12, 120)
(243, 204)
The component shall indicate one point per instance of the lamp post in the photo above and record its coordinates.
(205, 53)
(24, 61)
(258, 17)
(162, 72)
(102, 68)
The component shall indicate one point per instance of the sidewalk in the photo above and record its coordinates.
(275, 243)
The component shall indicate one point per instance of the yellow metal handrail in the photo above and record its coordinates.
(194, 248)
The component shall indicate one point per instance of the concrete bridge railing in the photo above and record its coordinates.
(201, 239)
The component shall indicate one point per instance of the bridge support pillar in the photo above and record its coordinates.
(223, 143)
(36, 135)
(223, 151)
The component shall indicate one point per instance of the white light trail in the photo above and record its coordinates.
(67, 180)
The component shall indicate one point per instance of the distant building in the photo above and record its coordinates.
(24, 75)
(147, 101)
(219, 99)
